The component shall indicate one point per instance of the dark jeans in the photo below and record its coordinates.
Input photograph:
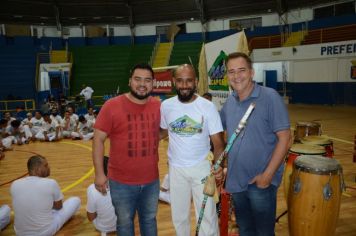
(90, 103)
(127, 199)
(255, 210)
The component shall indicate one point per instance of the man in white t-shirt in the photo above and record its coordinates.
(85, 129)
(36, 124)
(90, 115)
(191, 122)
(99, 207)
(37, 201)
(50, 130)
(68, 125)
(87, 93)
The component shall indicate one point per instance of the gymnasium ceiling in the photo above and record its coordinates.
(133, 12)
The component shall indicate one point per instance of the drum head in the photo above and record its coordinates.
(317, 164)
(307, 149)
(316, 140)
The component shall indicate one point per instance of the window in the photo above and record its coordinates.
(246, 23)
(345, 8)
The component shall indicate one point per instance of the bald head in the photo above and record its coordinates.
(184, 68)
(185, 83)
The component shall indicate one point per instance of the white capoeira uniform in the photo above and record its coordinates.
(58, 118)
(36, 125)
(68, 127)
(75, 117)
(4, 216)
(85, 130)
(22, 134)
(32, 200)
(105, 220)
(5, 140)
(90, 117)
(50, 128)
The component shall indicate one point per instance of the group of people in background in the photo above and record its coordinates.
(127, 182)
(46, 127)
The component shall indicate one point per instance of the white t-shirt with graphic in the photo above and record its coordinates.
(189, 126)
(37, 122)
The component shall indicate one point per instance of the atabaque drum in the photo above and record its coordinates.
(303, 129)
(320, 141)
(314, 196)
(295, 151)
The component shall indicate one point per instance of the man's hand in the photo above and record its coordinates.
(101, 183)
(261, 181)
(218, 174)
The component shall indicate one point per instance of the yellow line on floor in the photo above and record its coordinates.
(84, 177)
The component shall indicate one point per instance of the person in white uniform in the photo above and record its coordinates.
(87, 92)
(5, 212)
(99, 207)
(191, 122)
(36, 124)
(38, 201)
(50, 130)
(85, 129)
(68, 125)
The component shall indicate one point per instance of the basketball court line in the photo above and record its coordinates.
(85, 176)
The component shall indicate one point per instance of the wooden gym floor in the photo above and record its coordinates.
(71, 166)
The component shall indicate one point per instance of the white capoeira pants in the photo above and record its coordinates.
(67, 134)
(6, 142)
(28, 132)
(51, 136)
(185, 182)
(4, 216)
(86, 137)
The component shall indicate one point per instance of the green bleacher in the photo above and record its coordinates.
(182, 51)
(104, 68)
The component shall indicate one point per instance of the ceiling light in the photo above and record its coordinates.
(44, 17)
(119, 17)
(17, 16)
(96, 17)
(72, 18)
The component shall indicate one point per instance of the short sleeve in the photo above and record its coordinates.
(278, 113)
(104, 120)
(214, 121)
(57, 194)
(163, 123)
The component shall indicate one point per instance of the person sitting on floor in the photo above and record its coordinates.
(19, 133)
(68, 125)
(37, 201)
(50, 130)
(36, 124)
(4, 216)
(99, 207)
(85, 129)
(90, 115)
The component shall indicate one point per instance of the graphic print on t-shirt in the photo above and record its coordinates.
(186, 126)
(141, 132)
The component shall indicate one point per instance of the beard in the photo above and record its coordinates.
(138, 96)
(185, 97)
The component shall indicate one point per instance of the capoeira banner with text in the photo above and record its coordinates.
(162, 82)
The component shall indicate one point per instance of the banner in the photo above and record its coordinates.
(162, 82)
(218, 80)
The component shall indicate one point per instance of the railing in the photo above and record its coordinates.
(171, 45)
(154, 51)
(11, 105)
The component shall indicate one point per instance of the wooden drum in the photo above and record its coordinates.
(295, 151)
(314, 196)
(303, 129)
(320, 141)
